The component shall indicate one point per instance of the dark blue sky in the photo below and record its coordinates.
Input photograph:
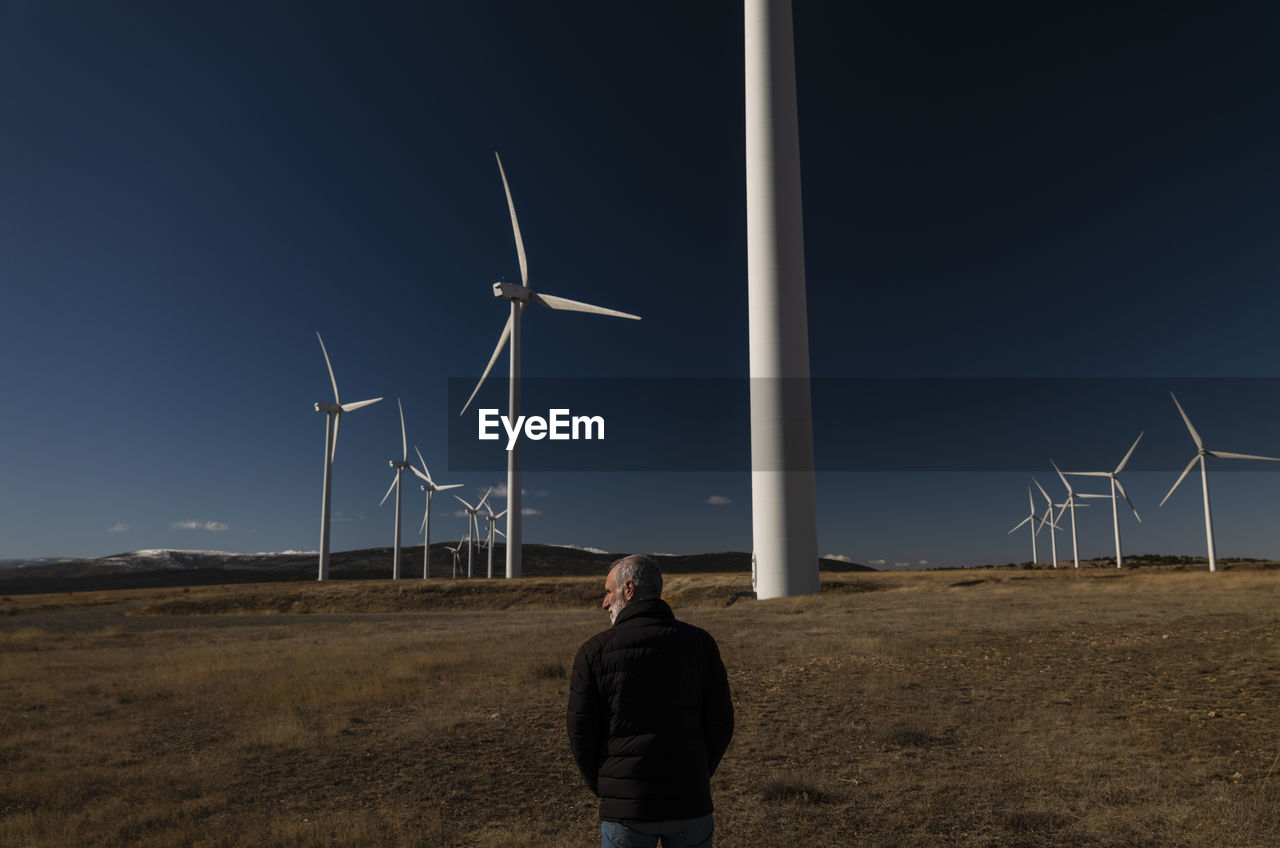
(191, 191)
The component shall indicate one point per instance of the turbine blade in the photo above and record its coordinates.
(1184, 473)
(450, 486)
(333, 450)
(1060, 476)
(1120, 467)
(1240, 456)
(404, 442)
(1042, 491)
(482, 500)
(497, 351)
(394, 481)
(515, 225)
(1194, 435)
(500, 514)
(1047, 518)
(425, 470)
(1088, 473)
(1022, 522)
(1125, 495)
(1083, 495)
(553, 302)
(347, 407)
(464, 503)
(329, 364)
(499, 532)
(424, 478)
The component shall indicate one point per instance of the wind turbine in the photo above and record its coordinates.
(491, 517)
(521, 296)
(333, 417)
(473, 526)
(430, 487)
(1031, 517)
(454, 550)
(1048, 519)
(1115, 485)
(1201, 453)
(399, 465)
(1070, 505)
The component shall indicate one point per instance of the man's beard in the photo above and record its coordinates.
(615, 608)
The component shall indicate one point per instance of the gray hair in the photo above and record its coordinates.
(643, 573)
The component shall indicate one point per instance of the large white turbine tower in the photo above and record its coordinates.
(784, 522)
(399, 465)
(1201, 453)
(333, 417)
(1115, 485)
(429, 486)
(521, 296)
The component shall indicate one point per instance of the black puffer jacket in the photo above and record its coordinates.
(649, 715)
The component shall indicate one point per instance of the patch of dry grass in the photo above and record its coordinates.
(1029, 709)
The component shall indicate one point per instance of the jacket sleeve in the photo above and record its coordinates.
(717, 710)
(585, 718)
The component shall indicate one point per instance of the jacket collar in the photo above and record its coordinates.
(648, 608)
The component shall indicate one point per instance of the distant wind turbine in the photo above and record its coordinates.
(1115, 486)
(520, 296)
(1032, 518)
(399, 465)
(1070, 505)
(430, 487)
(454, 550)
(473, 526)
(492, 517)
(1201, 453)
(1048, 519)
(333, 412)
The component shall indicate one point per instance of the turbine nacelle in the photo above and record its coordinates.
(328, 407)
(510, 291)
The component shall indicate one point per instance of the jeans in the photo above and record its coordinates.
(679, 833)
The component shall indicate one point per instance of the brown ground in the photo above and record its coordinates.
(989, 708)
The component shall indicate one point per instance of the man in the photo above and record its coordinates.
(649, 716)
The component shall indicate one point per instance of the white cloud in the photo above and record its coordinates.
(902, 565)
(586, 548)
(528, 510)
(211, 526)
(875, 562)
(118, 528)
(500, 492)
(838, 557)
(718, 500)
(923, 562)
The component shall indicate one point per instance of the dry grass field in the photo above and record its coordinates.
(967, 708)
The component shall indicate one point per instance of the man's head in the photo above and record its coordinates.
(632, 578)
